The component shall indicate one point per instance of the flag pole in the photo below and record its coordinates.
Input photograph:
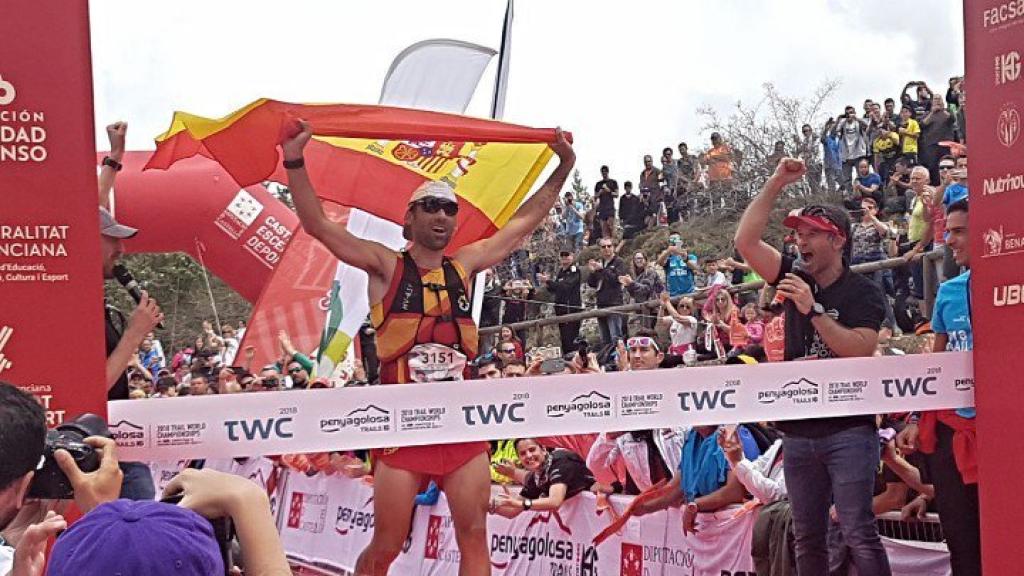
(497, 113)
(504, 60)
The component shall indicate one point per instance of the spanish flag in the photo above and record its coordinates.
(373, 157)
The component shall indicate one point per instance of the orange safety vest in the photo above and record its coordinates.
(418, 309)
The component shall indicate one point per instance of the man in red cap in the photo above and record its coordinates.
(420, 308)
(830, 312)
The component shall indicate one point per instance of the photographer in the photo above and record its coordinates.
(606, 191)
(26, 525)
(156, 538)
(853, 143)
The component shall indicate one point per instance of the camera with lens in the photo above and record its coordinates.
(223, 532)
(50, 482)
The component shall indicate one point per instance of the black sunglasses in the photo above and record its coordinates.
(945, 167)
(295, 370)
(432, 204)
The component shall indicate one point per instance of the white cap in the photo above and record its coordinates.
(435, 189)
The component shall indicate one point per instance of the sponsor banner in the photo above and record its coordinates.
(385, 416)
(545, 542)
(50, 267)
(532, 543)
(993, 30)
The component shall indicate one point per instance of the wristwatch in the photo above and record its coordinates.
(108, 161)
(816, 310)
(527, 504)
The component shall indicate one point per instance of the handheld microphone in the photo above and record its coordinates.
(125, 278)
(798, 269)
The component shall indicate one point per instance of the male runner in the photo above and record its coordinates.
(420, 307)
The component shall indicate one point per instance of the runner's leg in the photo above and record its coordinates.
(393, 492)
(468, 490)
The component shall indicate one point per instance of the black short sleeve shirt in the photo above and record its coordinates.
(567, 468)
(855, 302)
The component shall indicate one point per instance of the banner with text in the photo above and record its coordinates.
(50, 271)
(994, 45)
(415, 414)
(326, 521)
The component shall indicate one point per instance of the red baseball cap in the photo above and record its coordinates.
(825, 218)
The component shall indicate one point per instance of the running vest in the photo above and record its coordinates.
(419, 308)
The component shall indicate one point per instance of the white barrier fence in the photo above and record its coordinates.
(325, 521)
(413, 414)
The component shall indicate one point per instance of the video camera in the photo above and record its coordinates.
(50, 482)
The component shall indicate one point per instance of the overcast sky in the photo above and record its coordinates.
(625, 77)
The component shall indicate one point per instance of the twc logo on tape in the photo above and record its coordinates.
(477, 415)
(706, 400)
(903, 387)
(261, 429)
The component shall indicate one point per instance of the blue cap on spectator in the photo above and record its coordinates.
(144, 538)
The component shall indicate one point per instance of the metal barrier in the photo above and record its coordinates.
(927, 529)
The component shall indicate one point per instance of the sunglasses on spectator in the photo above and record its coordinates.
(642, 342)
(507, 350)
(946, 166)
(294, 370)
(431, 205)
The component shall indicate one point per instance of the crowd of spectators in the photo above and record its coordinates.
(894, 176)
(897, 175)
(888, 166)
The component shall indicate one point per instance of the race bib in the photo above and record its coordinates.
(435, 363)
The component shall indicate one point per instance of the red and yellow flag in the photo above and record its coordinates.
(373, 157)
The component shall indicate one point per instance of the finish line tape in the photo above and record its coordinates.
(251, 424)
